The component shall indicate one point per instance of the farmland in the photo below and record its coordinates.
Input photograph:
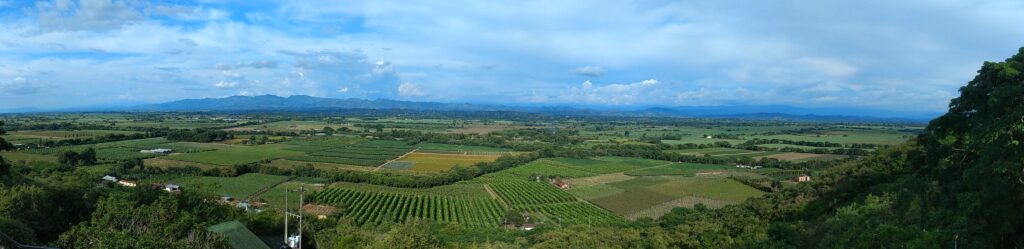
(372, 153)
(438, 162)
(240, 187)
(238, 155)
(375, 171)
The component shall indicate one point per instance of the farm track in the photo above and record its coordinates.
(395, 159)
(265, 189)
(494, 195)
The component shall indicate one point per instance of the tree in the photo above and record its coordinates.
(975, 151)
(4, 145)
(88, 157)
(69, 158)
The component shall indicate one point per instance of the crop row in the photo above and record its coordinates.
(576, 212)
(530, 193)
(338, 160)
(375, 207)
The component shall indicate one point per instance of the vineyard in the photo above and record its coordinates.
(542, 199)
(376, 207)
(461, 149)
(371, 153)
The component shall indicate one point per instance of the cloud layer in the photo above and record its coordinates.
(906, 55)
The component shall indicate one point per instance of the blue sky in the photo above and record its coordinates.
(909, 56)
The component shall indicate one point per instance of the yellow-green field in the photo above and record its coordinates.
(437, 162)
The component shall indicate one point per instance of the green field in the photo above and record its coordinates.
(238, 155)
(642, 193)
(435, 162)
(239, 187)
(451, 148)
(371, 153)
(124, 150)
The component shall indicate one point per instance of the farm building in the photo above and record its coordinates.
(109, 178)
(157, 151)
(239, 237)
(172, 188)
(803, 178)
(747, 166)
(559, 183)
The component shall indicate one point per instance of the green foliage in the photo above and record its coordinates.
(167, 222)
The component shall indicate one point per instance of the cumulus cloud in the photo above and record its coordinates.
(73, 15)
(643, 92)
(19, 86)
(589, 71)
(409, 90)
(328, 71)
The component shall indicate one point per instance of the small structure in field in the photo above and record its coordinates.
(127, 183)
(747, 166)
(803, 178)
(109, 178)
(157, 151)
(527, 226)
(559, 183)
(172, 188)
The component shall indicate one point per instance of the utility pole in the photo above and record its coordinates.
(285, 215)
(302, 191)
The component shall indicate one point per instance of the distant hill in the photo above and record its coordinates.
(303, 102)
(310, 103)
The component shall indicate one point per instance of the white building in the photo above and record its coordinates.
(157, 151)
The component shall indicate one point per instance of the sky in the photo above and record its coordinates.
(909, 56)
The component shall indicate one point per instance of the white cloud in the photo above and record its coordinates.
(73, 15)
(409, 90)
(642, 92)
(19, 86)
(589, 71)
(226, 85)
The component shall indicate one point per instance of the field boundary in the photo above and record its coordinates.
(395, 159)
(265, 189)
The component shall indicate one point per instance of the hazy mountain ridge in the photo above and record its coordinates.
(310, 103)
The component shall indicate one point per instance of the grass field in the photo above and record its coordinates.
(238, 155)
(275, 197)
(681, 169)
(640, 194)
(882, 138)
(123, 150)
(434, 162)
(164, 163)
(56, 135)
(22, 156)
(239, 187)
(370, 153)
(452, 148)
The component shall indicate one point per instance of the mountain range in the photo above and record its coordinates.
(310, 103)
